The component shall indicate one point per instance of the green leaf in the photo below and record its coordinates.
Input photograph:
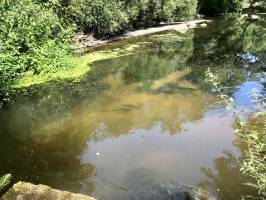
(5, 180)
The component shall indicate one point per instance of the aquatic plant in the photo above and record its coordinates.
(251, 131)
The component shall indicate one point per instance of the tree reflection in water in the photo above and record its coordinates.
(226, 179)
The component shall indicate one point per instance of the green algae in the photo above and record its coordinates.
(81, 65)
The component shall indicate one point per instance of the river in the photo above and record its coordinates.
(141, 120)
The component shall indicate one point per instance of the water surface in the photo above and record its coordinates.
(141, 120)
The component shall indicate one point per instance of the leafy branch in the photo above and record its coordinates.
(253, 133)
(5, 180)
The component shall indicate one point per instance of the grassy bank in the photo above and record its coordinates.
(81, 65)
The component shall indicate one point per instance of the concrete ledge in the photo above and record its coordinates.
(28, 191)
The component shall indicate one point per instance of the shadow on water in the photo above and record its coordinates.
(118, 130)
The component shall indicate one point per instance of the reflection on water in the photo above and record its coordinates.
(149, 157)
(226, 177)
(141, 120)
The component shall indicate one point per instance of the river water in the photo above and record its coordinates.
(143, 119)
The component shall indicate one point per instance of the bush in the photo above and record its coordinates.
(101, 17)
(186, 9)
(149, 12)
(143, 13)
(176, 10)
(32, 38)
(105, 17)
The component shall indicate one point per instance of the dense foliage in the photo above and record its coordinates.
(104, 17)
(32, 39)
(153, 11)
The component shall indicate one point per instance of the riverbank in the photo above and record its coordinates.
(86, 43)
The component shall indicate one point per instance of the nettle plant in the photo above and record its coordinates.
(252, 131)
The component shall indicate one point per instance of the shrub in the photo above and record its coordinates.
(105, 17)
(101, 17)
(150, 12)
(146, 12)
(184, 9)
(32, 38)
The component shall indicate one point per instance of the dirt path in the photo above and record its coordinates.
(87, 41)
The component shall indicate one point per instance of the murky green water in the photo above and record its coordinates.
(140, 120)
